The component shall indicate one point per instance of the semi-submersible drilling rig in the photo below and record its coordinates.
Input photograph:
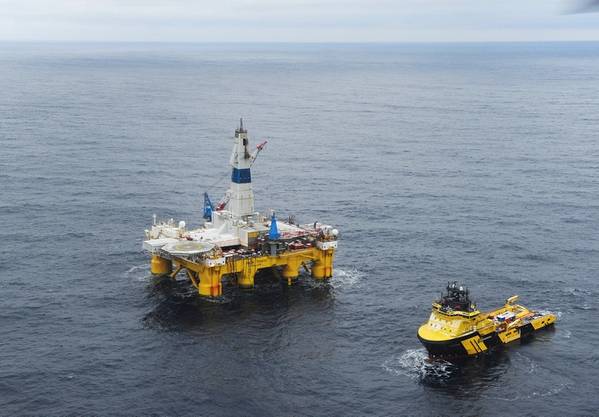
(237, 241)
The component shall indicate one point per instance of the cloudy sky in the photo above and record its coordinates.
(297, 20)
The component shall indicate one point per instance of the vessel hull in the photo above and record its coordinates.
(474, 344)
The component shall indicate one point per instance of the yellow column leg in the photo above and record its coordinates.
(328, 263)
(245, 278)
(210, 282)
(160, 266)
(193, 277)
(323, 264)
(291, 269)
(176, 271)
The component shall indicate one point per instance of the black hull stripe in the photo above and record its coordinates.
(455, 347)
(443, 342)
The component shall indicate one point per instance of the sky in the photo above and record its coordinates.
(298, 20)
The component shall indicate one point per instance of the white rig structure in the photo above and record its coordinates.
(236, 240)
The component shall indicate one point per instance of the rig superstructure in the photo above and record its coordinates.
(237, 241)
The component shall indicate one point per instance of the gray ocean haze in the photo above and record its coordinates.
(437, 162)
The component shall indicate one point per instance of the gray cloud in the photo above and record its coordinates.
(583, 6)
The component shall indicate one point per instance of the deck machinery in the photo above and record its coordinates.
(237, 241)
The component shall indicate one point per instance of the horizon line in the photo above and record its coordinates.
(48, 41)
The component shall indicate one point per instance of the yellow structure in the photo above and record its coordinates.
(207, 279)
(160, 266)
(457, 327)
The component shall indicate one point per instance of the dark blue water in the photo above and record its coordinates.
(477, 163)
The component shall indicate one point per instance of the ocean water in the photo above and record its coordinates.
(437, 162)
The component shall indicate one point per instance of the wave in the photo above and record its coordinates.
(533, 394)
(577, 292)
(346, 278)
(557, 313)
(416, 364)
(139, 273)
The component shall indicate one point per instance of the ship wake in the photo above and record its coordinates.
(416, 364)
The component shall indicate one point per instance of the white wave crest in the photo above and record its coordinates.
(139, 272)
(416, 364)
(558, 314)
(346, 278)
(556, 389)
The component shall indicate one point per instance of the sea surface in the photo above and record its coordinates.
(437, 162)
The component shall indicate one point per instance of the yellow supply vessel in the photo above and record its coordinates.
(237, 241)
(456, 327)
